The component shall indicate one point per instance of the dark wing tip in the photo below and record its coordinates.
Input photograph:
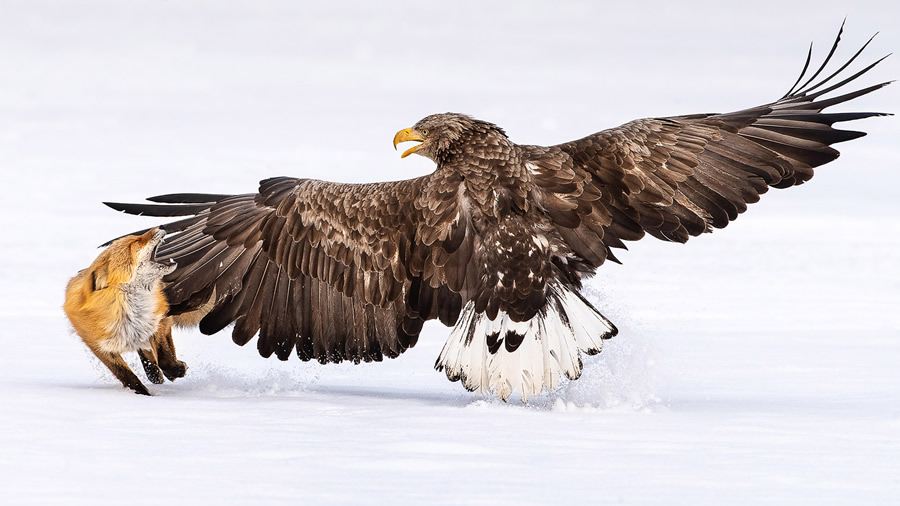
(187, 198)
(160, 210)
(804, 93)
(114, 205)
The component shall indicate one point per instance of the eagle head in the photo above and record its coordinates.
(441, 134)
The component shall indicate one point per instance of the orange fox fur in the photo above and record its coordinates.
(117, 305)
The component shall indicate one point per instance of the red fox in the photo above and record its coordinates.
(117, 305)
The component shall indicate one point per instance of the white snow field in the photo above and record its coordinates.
(756, 365)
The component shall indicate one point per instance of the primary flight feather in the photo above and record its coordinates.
(495, 242)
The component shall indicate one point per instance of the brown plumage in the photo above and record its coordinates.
(496, 241)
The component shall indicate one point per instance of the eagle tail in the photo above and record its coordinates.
(502, 356)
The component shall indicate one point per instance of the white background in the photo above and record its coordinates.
(757, 364)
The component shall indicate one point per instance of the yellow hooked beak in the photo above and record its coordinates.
(408, 134)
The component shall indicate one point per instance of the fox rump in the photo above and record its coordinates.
(117, 305)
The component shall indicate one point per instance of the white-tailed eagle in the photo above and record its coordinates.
(496, 242)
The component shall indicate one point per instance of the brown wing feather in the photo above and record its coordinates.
(323, 268)
(682, 176)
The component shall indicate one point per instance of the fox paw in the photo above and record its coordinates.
(138, 388)
(175, 371)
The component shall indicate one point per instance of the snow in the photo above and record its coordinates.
(757, 364)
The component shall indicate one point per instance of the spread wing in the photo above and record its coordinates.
(335, 271)
(682, 176)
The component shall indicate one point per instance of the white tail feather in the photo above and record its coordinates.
(552, 345)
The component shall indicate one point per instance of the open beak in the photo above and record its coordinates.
(408, 134)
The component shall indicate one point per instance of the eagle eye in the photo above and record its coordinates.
(425, 132)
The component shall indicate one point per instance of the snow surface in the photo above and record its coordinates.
(755, 365)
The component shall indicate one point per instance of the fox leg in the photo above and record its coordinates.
(165, 351)
(148, 360)
(117, 366)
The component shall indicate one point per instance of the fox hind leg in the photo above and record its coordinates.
(165, 351)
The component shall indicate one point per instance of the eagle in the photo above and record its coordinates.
(496, 242)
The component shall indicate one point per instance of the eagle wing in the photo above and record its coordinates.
(678, 177)
(337, 271)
